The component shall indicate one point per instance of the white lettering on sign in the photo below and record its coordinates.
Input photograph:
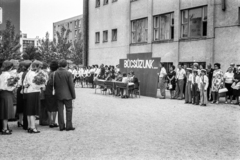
(146, 64)
(1, 15)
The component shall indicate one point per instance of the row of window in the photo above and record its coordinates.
(105, 2)
(193, 25)
(105, 36)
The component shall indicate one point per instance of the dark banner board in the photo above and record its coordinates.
(145, 68)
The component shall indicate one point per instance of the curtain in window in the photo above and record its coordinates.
(195, 21)
(165, 26)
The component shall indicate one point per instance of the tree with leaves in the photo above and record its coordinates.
(31, 53)
(46, 48)
(77, 51)
(61, 45)
(10, 43)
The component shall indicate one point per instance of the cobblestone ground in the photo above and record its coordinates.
(112, 128)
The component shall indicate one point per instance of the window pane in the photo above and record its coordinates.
(195, 21)
(156, 22)
(185, 30)
(185, 17)
(165, 21)
(205, 12)
(139, 30)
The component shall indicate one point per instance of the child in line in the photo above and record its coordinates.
(203, 85)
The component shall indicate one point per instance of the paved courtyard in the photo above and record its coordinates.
(110, 128)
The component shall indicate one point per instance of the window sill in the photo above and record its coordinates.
(105, 41)
(163, 41)
(97, 7)
(105, 4)
(138, 44)
(114, 40)
(192, 39)
(114, 1)
(96, 42)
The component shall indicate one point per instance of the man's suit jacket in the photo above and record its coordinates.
(63, 84)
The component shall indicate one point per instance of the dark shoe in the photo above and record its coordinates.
(19, 124)
(51, 126)
(34, 131)
(55, 125)
(29, 130)
(6, 132)
(70, 129)
(62, 129)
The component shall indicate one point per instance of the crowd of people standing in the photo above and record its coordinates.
(197, 85)
(36, 90)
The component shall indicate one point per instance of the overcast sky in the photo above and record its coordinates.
(37, 16)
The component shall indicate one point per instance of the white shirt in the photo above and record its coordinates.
(162, 73)
(125, 79)
(29, 81)
(190, 77)
(3, 82)
(204, 80)
(229, 77)
(181, 74)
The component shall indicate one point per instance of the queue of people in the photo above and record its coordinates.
(36, 92)
(199, 86)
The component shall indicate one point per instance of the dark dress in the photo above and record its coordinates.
(6, 105)
(236, 93)
(20, 102)
(51, 101)
(173, 82)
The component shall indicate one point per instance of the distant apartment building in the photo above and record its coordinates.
(204, 31)
(26, 42)
(10, 10)
(74, 24)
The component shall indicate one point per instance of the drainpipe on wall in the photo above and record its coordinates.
(85, 32)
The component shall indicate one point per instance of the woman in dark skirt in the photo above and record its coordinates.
(51, 101)
(20, 102)
(236, 92)
(171, 80)
(6, 97)
(32, 93)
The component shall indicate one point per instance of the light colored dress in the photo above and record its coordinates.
(217, 80)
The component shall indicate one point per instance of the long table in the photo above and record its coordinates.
(113, 84)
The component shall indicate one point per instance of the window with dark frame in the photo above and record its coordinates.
(163, 26)
(194, 23)
(140, 30)
(97, 37)
(105, 2)
(75, 34)
(97, 3)
(105, 36)
(79, 23)
(190, 64)
(167, 65)
(114, 35)
(114, 0)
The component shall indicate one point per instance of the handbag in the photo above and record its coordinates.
(53, 92)
(236, 86)
(170, 86)
(223, 90)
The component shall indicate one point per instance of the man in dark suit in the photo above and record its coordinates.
(65, 93)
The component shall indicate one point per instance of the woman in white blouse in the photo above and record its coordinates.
(228, 80)
(6, 96)
(32, 92)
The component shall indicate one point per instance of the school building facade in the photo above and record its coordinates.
(204, 31)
